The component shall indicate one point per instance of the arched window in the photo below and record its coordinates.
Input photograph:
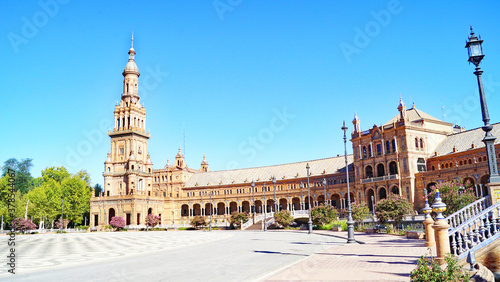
(364, 151)
(393, 145)
(382, 193)
(393, 168)
(370, 150)
(369, 171)
(421, 143)
(421, 165)
(380, 170)
(461, 163)
(388, 146)
(395, 190)
(109, 169)
(416, 143)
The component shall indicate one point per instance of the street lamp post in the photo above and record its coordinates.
(301, 196)
(147, 214)
(274, 184)
(373, 205)
(211, 211)
(309, 201)
(253, 200)
(324, 188)
(265, 206)
(62, 205)
(350, 222)
(475, 49)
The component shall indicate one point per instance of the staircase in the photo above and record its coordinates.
(258, 222)
(474, 227)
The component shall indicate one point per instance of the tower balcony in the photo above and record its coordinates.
(380, 178)
(134, 130)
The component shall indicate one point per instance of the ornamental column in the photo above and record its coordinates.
(441, 230)
(430, 240)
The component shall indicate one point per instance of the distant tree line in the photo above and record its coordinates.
(44, 194)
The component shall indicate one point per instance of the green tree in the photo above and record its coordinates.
(454, 195)
(24, 180)
(393, 208)
(57, 174)
(97, 189)
(283, 218)
(322, 215)
(76, 195)
(237, 218)
(359, 212)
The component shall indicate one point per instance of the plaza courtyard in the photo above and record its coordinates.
(212, 256)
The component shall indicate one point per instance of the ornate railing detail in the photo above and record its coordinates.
(379, 178)
(467, 213)
(476, 232)
(270, 221)
(299, 213)
(247, 224)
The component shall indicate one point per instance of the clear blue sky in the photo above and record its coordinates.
(221, 69)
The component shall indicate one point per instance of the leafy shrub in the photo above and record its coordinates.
(283, 218)
(454, 195)
(198, 221)
(429, 270)
(153, 220)
(359, 212)
(393, 208)
(322, 215)
(237, 218)
(117, 222)
(22, 225)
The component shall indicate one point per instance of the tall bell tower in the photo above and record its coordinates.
(128, 168)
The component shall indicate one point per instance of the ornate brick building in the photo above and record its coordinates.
(410, 152)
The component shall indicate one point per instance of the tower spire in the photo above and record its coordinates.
(132, 45)
(401, 108)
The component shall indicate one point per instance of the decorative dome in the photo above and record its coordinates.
(179, 153)
(401, 103)
(131, 66)
(204, 162)
(355, 117)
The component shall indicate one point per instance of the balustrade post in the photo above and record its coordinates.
(429, 231)
(440, 227)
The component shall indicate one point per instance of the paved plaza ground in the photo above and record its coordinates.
(211, 256)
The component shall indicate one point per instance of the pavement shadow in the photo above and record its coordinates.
(366, 255)
(279, 253)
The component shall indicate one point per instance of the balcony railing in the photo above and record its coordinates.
(380, 178)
